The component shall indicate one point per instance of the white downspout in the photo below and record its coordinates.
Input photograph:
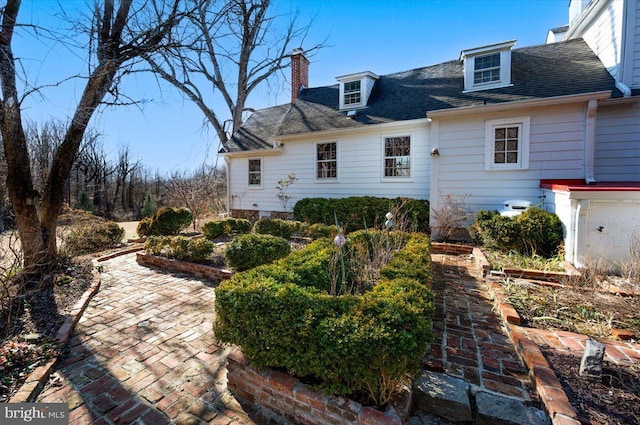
(227, 162)
(590, 142)
(582, 203)
(626, 91)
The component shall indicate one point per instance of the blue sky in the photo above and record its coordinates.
(166, 132)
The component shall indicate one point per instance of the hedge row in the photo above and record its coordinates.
(361, 212)
(282, 316)
(248, 251)
(276, 227)
(181, 248)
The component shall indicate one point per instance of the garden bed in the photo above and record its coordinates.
(289, 398)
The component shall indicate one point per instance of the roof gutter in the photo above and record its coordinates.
(253, 152)
(521, 104)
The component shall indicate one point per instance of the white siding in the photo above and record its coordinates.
(556, 152)
(359, 169)
(617, 154)
(604, 36)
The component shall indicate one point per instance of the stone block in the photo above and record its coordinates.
(591, 362)
(495, 409)
(443, 395)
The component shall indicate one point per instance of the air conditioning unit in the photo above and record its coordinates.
(514, 207)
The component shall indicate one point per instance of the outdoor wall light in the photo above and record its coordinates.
(435, 152)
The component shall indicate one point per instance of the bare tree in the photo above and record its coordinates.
(197, 191)
(233, 47)
(118, 36)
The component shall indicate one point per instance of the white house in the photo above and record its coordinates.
(556, 124)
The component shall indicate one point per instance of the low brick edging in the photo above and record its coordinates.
(38, 378)
(548, 387)
(124, 251)
(285, 396)
(198, 270)
(450, 248)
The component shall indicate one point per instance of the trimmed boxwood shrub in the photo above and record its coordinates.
(535, 231)
(196, 250)
(277, 227)
(227, 227)
(282, 316)
(165, 222)
(360, 212)
(94, 238)
(251, 250)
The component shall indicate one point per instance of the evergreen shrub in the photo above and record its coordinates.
(165, 222)
(94, 238)
(535, 231)
(227, 227)
(361, 212)
(251, 250)
(195, 250)
(282, 316)
(277, 227)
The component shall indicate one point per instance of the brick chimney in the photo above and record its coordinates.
(299, 72)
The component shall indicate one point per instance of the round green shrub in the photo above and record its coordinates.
(144, 227)
(542, 232)
(319, 230)
(251, 250)
(170, 221)
(214, 229)
(239, 226)
(535, 231)
(227, 227)
(277, 227)
(94, 238)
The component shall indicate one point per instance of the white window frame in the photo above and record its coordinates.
(344, 93)
(249, 172)
(352, 92)
(384, 158)
(469, 57)
(488, 69)
(316, 161)
(524, 134)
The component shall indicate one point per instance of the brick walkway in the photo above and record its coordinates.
(143, 353)
(470, 341)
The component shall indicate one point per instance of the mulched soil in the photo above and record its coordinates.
(30, 323)
(611, 399)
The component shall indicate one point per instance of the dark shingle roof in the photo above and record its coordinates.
(550, 70)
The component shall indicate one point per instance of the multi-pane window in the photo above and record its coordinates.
(397, 156)
(486, 68)
(327, 160)
(505, 144)
(255, 172)
(352, 93)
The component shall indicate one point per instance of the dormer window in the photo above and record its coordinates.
(487, 67)
(355, 90)
(352, 93)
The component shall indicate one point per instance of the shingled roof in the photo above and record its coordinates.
(549, 70)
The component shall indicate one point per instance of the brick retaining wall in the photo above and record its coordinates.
(199, 270)
(287, 397)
